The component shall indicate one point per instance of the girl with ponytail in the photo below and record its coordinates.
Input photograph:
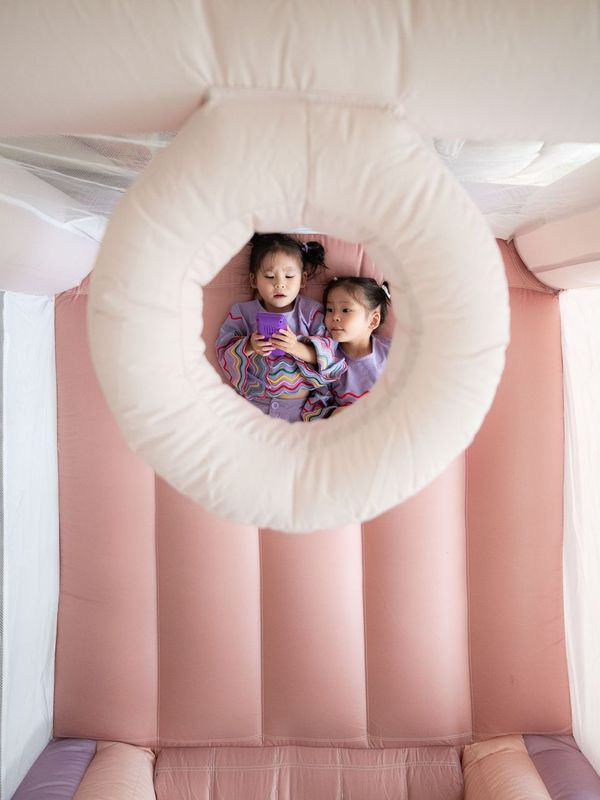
(279, 373)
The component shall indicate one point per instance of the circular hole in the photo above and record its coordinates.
(362, 358)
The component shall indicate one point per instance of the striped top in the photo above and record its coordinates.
(354, 382)
(278, 385)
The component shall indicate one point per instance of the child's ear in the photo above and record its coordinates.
(252, 280)
(303, 281)
(375, 319)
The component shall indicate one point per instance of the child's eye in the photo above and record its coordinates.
(329, 310)
(289, 277)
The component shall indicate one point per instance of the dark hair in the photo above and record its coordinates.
(365, 291)
(311, 254)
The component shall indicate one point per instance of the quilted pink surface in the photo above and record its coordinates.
(319, 773)
(438, 622)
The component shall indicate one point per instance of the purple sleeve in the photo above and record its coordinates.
(330, 363)
(238, 366)
(315, 323)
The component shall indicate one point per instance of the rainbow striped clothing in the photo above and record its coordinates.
(357, 379)
(280, 386)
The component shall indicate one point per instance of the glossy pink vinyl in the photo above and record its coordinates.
(438, 623)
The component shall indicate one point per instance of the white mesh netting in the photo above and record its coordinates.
(91, 173)
(513, 183)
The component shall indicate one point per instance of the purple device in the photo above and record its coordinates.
(267, 324)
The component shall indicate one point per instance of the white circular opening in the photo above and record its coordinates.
(362, 175)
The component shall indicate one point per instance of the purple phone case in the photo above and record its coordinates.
(268, 323)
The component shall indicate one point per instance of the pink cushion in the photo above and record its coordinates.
(501, 769)
(428, 773)
(118, 771)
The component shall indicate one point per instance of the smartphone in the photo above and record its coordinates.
(267, 324)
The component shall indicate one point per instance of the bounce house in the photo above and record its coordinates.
(203, 601)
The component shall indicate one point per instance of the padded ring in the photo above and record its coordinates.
(244, 163)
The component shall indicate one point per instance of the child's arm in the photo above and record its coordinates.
(307, 352)
(234, 354)
(329, 366)
(232, 333)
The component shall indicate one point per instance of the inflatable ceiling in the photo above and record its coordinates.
(432, 633)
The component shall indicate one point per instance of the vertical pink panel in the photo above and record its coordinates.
(106, 659)
(313, 646)
(209, 626)
(514, 515)
(416, 618)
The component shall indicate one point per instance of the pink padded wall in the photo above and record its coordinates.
(180, 628)
(209, 625)
(416, 618)
(515, 527)
(313, 638)
(106, 654)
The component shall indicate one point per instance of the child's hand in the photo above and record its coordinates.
(286, 340)
(260, 345)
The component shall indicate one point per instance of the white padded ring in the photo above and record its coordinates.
(246, 163)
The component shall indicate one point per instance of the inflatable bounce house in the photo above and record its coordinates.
(202, 601)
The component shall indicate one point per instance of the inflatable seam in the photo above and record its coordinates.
(312, 765)
(157, 611)
(569, 262)
(425, 740)
(468, 592)
(212, 741)
(211, 785)
(262, 650)
(1, 531)
(526, 274)
(486, 736)
(252, 742)
(307, 153)
(365, 636)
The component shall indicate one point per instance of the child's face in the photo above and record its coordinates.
(278, 281)
(346, 319)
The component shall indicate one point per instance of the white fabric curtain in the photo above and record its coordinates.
(30, 555)
(580, 313)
